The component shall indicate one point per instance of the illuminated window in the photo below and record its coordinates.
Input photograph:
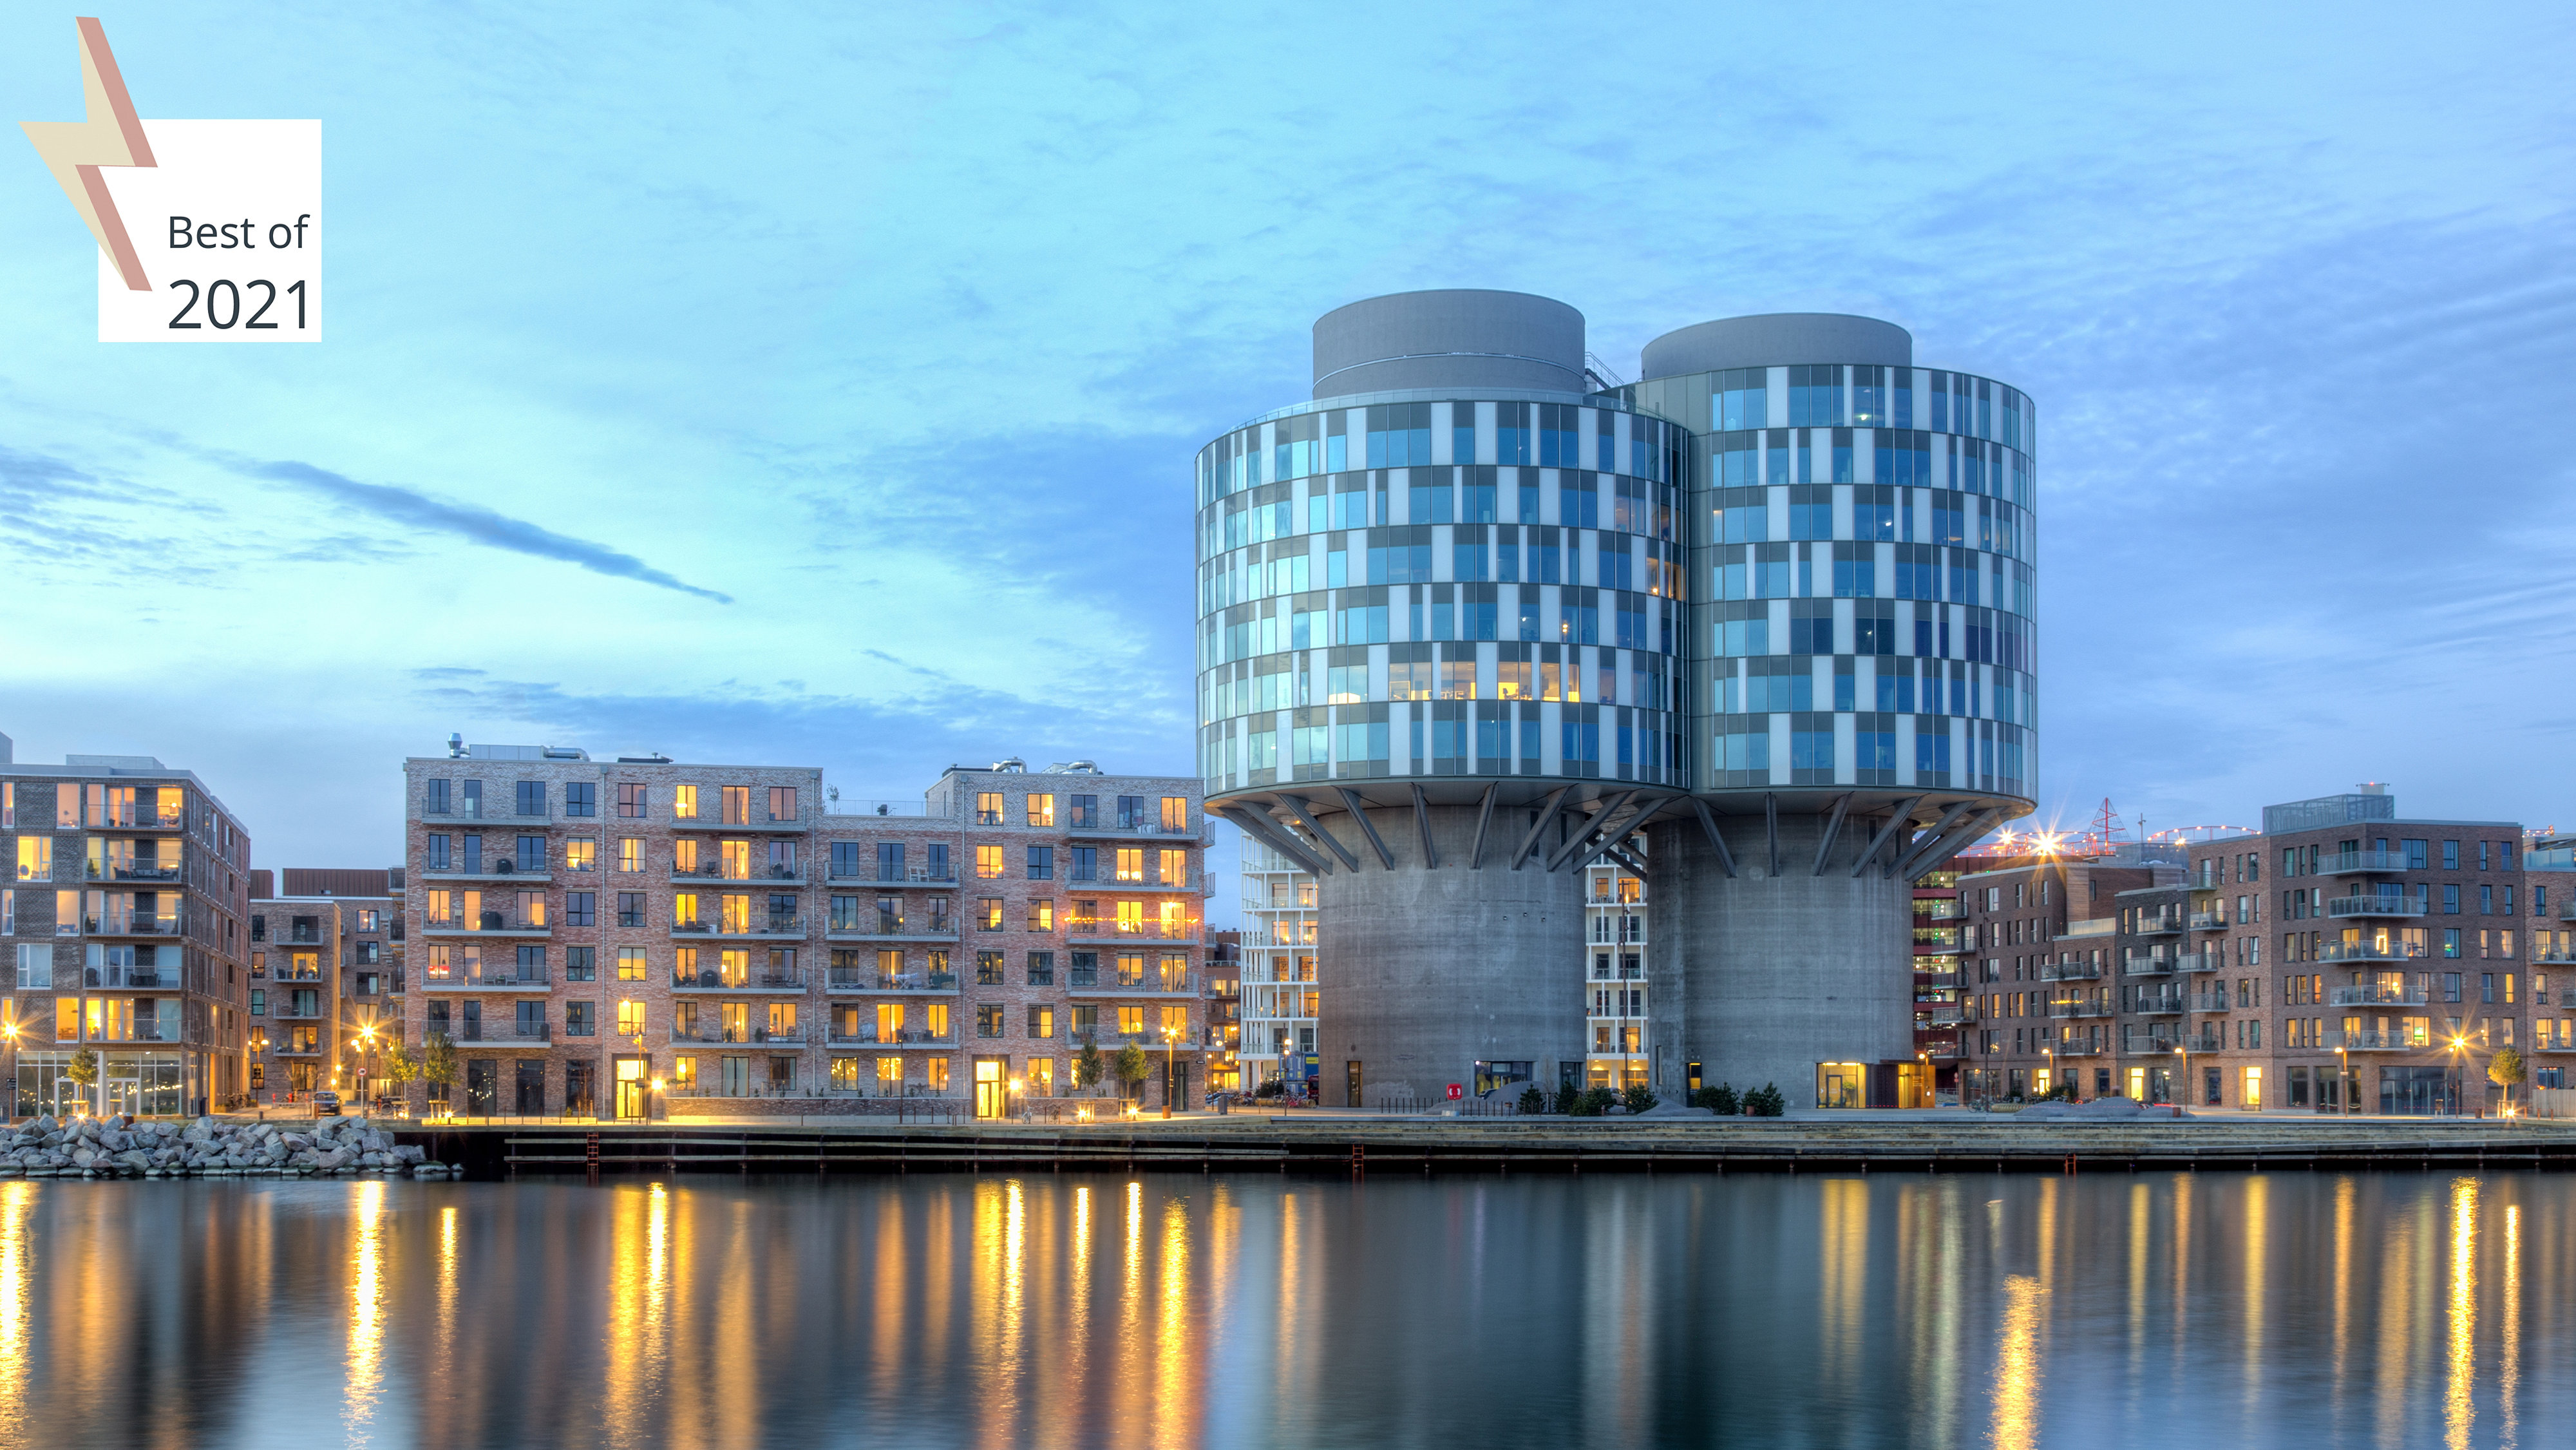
(1131, 865)
(684, 856)
(581, 853)
(1041, 809)
(1176, 813)
(1176, 1023)
(733, 968)
(737, 913)
(782, 1022)
(630, 963)
(988, 808)
(937, 1071)
(1042, 915)
(782, 802)
(936, 1015)
(1041, 1024)
(684, 1072)
(1131, 1021)
(890, 1022)
(1042, 1077)
(630, 854)
(734, 859)
(988, 862)
(736, 805)
(1131, 970)
(889, 1077)
(1131, 917)
(845, 1074)
(684, 910)
(1174, 868)
(35, 858)
(684, 803)
(988, 913)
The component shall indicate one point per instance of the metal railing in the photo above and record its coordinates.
(2136, 965)
(916, 876)
(943, 927)
(128, 871)
(2336, 951)
(2065, 972)
(2375, 904)
(2087, 1007)
(501, 1034)
(842, 979)
(2209, 921)
(493, 921)
(140, 979)
(1146, 982)
(2337, 863)
(2157, 925)
(133, 819)
(754, 926)
(2370, 1041)
(709, 979)
(752, 1034)
(132, 923)
(751, 876)
(1110, 930)
(2376, 997)
(487, 978)
(2162, 1004)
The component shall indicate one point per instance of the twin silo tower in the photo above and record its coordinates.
(1474, 616)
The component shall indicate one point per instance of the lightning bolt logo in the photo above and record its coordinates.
(110, 135)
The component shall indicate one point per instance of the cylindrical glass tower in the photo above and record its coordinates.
(1438, 624)
(1861, 663)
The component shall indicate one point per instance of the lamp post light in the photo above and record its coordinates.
(2458, 1046)
(2343, 1069)
(2182, 1049)
(1171, 1062)
(9, 1049)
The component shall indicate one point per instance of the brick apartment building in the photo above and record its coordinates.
(123, 914)
(325, 979)
(584, 930)
(2342, 960)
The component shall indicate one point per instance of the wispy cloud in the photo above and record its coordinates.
(472, 523)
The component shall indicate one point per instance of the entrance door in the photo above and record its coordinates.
(630, 1088)
(2137, 1084)
(1841, 1085)
(992, 1094)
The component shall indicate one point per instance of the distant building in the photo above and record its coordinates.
(326, 982)
(123, 915)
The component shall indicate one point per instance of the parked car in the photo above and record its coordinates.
(326, 1105)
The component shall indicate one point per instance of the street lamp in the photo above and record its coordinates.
(1171, 1061)
(2182, 1050)
(2458, 1046)
(2343, 1067)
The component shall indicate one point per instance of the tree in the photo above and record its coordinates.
(84, 1071)
(1637, 1098)
(438, 1064)
(1087, 1065)
(1132, 1068)
(2505, 1069)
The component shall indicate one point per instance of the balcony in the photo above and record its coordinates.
(133, 818)
(756, 821)
(2371, 1042)
(2209, 921)
(2201, 961)
(1134, 984)
(2087, 1007)
(708, 979)
(489, 923)
(2082, 1045)
(2157, 925)
(752, 876)
(291, 1049)
(2552, 954)
(1923, 979)
(139, 979)
(748, 929)
(290, 974)
(842, 980)
(2373, 904)
(920, 876)
(2336, 951)
(891, 928)
(1147, 830)
(293, 1014)
(1940, 1015)
(2346, 863)
(131, 923)
(2161, 1004)
(302, 936)
(2376, 997)
(2148, 965)
(2066, 972)
(129, 871)
(2207, 876)
(497, 979)
(501, 1034)
(2218, 1000)
(710, 1033)
(1083, 930)
(499, 870)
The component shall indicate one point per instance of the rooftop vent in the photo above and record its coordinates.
(1013, 764)
(1073, 767)
(455, 746)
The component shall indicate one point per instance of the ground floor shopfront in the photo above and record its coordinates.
(2427, 1089)
(144, 1083)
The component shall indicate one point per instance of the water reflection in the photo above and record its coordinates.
(1073, 1311)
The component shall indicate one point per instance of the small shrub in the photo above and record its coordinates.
(1532, 1102)
(1271, 1089)
(1765, 1102)
(1638, 1098)
(1597, 1101)
(1720, 1100)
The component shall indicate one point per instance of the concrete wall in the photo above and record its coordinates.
(1775, 338)
(1463, 339)
(1760, 978)
(1425, 971)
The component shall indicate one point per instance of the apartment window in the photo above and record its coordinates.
(2486, 894)
(988, 913)
(630, 1019)
(1131, 865)
(630, 963)
(1172, 868)
(581, 908)
(581, 964)
(437, 851)
(1042, 914)
(988, 969)
(581, 798)
(1042, 863)
(988, 1020)
(1086, 863)
(684, 803)
(2450, 855)
(531, 854)
(1041, 1022)
(36, 969)
(1131, 1021)
(630, 800)
(581, 853)
(630, 854)
(1040, 809)
(581, 1019)
(934, 859)
(1041, 971)
(988, 808)
(988, 863)
(1086, 1024)
(1085, 810)
(1131, 812)
(258, 995)
(2486, 980)
(1084, 969)
(532, 797)
(630, 908)
(782, 802)
(2451, 897)
(433, 798)
(2450, 941)
(734, 801)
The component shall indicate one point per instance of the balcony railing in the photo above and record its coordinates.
(2374, 904)
(500, 1034)
(140, 979)
(2340, 863)
(129, 871)
(295, 1014)
(939, 928)
(2395, 951)
(2376, 997)
(1940, 979)
(2370, 1041)
(2087, 1007)
(1945, 1014)
(134, 818)
(708, 979)
(2209, 921)
(2207, 876)
(2201, 961)
(508, 978)
(1136, 828)
(2162, 1004)
(748, 876)
(755, 1033)
(1161, 983)
(2065, 972)
(131, 923)
(2083, 1044)
(2156, 925)
(876, 876)
(2145, 965)
(1101, 929)
(750, 821)
(500, 922)
(845, 980)
(2216, 1000)
(758, 926)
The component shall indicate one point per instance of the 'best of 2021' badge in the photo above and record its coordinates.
(208, 231)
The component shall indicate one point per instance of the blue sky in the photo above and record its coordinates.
(818, 385)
